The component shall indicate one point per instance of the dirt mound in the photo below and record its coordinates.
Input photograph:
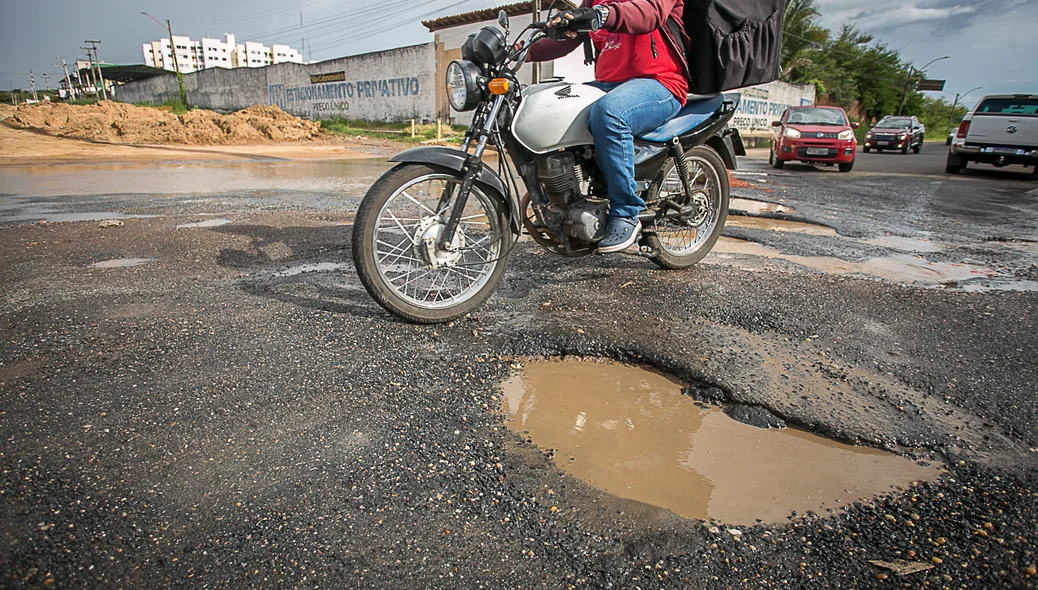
(115, 122)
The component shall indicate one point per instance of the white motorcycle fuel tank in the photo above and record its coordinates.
(554, 115)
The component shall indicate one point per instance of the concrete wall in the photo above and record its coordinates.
(760, 105)
(395, 85)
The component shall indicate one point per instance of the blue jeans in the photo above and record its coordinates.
(628, 109)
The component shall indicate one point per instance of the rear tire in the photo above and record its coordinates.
(719, 192)
(954, 165)
(847, 167)
(376, 266)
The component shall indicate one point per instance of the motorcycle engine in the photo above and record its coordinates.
(581, 219)
(559, 177)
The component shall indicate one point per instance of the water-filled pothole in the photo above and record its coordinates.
(204, 224)
(755, 207)
(630, 432)
(122, 262)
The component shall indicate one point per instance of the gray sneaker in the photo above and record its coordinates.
(620, 234)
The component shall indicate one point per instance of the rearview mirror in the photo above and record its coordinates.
(502, 19)
(855, 125)
(776, 123)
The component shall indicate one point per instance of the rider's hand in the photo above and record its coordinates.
(581, 19)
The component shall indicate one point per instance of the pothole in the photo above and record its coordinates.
(768, 224)
(207, 223)
(630, 432)
(904, 244)
(898, 268)
(316, 267)
(754, 207)
(122, 262)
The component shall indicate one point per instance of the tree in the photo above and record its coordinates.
(849, 69)
(802, 36)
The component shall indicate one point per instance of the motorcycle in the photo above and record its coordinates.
(433, 235)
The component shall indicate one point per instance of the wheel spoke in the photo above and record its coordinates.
(454, 275)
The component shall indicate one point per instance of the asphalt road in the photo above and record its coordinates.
(930, 162)
(232, 410)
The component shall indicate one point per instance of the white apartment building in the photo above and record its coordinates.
(215, 53)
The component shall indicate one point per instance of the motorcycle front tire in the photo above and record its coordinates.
(365, 256)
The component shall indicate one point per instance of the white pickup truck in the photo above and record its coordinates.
(1001, 130)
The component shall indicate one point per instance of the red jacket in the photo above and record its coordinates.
(633, 17)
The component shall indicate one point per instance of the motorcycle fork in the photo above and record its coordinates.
(471, 170)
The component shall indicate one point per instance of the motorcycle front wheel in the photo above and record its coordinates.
(680, 243)
(396, 249)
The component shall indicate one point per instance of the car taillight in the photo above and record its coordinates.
(964, 128)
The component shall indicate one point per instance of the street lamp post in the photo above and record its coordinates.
(176, 64)
(956, 102)
(908, 81)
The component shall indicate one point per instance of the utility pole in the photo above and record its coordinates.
(11, 84)
(46, 84)
(904, 94)
(100, 76)
(176, 64)
(32, 83)
(68, 80)
(537, 64)
(302, 28)
(90, 72)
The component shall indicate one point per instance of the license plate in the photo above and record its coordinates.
(882, 142)
(818, 151)
(1004, 150)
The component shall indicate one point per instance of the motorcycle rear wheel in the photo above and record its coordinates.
(393, 245)
(681, 243)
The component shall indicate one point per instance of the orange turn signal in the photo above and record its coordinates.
(498, 86)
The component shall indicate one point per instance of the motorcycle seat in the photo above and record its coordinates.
(697, 109)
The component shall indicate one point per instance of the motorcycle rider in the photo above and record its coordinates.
(643, 71)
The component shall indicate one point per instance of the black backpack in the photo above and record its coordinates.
(733, 43)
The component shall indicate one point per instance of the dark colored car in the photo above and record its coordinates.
(814, 135)
(895, 133)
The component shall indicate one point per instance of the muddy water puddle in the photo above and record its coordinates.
(351, 177)
(754, 207)
(779, 225)
(898, 268)
(122, 262)
(204, 224)
(631, 432)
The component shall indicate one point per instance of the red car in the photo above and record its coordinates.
(814, 135)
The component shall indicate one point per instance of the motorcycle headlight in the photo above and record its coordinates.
(790, 132)
(463, 90)
(846, 134)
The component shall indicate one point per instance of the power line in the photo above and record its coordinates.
(326, 22)
(254, 16)
(353, 37)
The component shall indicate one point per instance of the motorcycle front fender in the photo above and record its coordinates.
(455, 159)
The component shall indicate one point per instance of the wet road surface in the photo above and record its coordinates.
(222, 405)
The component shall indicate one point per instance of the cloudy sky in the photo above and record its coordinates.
(991, 43)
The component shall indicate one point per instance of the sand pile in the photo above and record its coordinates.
(115, 122)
